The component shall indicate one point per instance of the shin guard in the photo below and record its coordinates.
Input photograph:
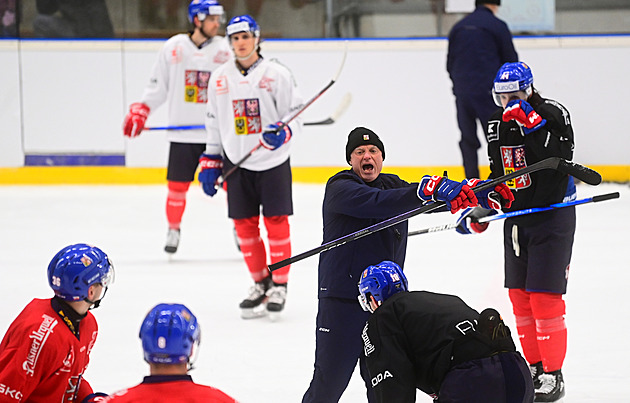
(252, 247)
(176, 203)
(525, 324)
(279, 234)
(549, 310)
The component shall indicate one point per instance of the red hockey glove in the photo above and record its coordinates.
(272, 138)
(493, 198)
(211, 167)
(457, 195)
(524, 114)
(135, 119)
(468, 222)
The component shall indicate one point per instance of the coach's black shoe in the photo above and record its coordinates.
(551, 387)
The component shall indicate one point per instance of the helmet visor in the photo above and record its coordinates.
(364, 303)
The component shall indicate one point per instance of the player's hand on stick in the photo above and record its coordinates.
(468, 222)
(211, 167)
(457, 195)
(494, 198)
(273, 138)
(135, 119)
(524, 114)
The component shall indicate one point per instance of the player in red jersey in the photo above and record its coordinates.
(46, 350)
(169, 334)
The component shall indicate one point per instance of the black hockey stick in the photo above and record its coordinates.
(343, 105)
(282, 125)
(594, 199)
(578, 171)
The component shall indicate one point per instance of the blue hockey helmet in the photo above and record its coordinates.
(169, 333)
(242, 23)
(512, 77)
(203, 8)
(381, 282)
(77, 267)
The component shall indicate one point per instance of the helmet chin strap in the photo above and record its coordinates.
(97, 303)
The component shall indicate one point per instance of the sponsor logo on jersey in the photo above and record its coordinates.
(196, 86)
(246, 116)
(266, 83)
(221, 57)
(38, 338)
(493, 130)
(513, 159)
(6, 390)
(368, 347)
(222, 85)
(381, 377)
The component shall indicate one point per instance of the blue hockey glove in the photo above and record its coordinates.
(211, 167)
(524, 114)
(457, 195)
(468, 222)
(493, 198)
(272, 138)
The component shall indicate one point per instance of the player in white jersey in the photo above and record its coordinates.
(247, 98)
(180, 78)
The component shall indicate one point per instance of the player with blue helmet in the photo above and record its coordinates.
(436, 343)
(179, 78)
(248, 98)
(525, 130)
(46, 350)
(170, 338)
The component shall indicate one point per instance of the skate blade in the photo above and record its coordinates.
(253, 313)
(274, 316)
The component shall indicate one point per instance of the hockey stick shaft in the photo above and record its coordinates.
(343, 105)
(282, 125)
(594, 199)
(578, 171)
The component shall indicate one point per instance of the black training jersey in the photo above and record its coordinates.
(510, 149)
(408, 341)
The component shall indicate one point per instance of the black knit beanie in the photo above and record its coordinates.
(480, 2)
(360, 136)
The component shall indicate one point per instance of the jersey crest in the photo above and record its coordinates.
(196, 86)
(513, 159)
(246, 116)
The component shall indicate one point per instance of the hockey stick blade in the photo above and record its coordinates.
(343, 105)
(580, 172)
(549, 163)
(594, 199)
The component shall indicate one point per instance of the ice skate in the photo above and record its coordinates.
(254, 306)
(172, 241)
(277, 297)
(551, 387)
(536, 370)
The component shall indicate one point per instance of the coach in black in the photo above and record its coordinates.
(355, 199)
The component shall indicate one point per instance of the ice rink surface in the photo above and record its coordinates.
(262, 361)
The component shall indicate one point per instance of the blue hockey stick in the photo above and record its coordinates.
(495, 217)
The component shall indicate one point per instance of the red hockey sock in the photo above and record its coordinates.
(252, 247)
(279, 234)
(549, 310)
(176, 203)
(525, 324)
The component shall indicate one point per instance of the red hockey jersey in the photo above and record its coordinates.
(41, 360)
(172, 389)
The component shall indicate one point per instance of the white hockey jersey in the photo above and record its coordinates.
(180, 77)
(240, 107)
